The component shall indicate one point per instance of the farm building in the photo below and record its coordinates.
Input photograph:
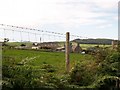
(22, 46)
(61, 49)
(35, 46)
(76, 48)
(55, 46)
(46, 45)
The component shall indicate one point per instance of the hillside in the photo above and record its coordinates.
(93, 41)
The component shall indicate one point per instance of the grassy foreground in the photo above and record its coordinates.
(40, 69)
(38, 58)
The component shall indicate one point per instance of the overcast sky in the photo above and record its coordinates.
(88, 18)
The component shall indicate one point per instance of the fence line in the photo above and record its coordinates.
(37, 31)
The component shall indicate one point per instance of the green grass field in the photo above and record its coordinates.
(37, 68)
(85, 46)
(38, 58)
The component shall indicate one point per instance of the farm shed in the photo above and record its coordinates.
(76, 48)
(61, 49)
(35, 47)
(22, 46)
(45, 45)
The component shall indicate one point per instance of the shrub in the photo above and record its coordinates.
(110, 66)
(49, 68)
(107, 82)
(82, 74)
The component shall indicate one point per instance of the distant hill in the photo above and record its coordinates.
(93, 41)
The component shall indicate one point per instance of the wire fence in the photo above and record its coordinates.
(23, 34)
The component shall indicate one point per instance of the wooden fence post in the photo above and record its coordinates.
(113, 44)
(67, 52)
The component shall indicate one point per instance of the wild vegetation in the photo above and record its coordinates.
(41, 69)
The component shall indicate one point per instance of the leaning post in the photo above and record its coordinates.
(67, 52)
